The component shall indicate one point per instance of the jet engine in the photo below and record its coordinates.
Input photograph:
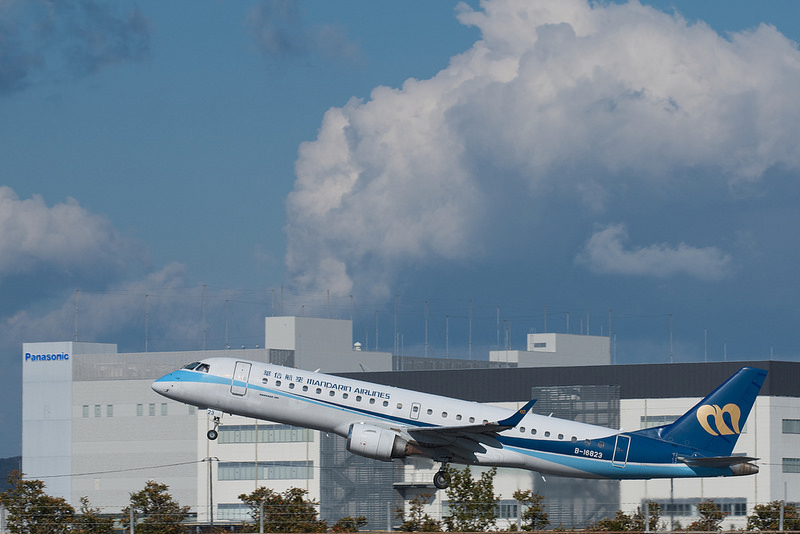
(376, 442)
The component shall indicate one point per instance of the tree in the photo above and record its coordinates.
(155, 511)
(289, 511)
(418, 520)
(90, 521)
(533, 516)
(636, 523)
(31, 510)
(710, 517)
(767, 517)
(620, 523)
(349, 524)
(473, 504)
(653, 517)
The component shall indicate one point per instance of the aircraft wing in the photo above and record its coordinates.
(466, 440)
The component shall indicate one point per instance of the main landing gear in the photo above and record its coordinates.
(213, 434)
(442, 478)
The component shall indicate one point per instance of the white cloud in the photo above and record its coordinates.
(64, 237)
(558, 100)
(605, 253)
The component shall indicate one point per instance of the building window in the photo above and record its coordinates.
(791, 426)
(687, 507)
(97, 410)
(791, 465)
(264, 434)
(233, 512)
(86, 410)
(192, 410)
(140, 410)
(650, 421)
(507, 510)
(151, 409)
(299, 470)
(163, 408)
(109, 410)
(737, 508)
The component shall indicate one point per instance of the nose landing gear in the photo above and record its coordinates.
(213, 434)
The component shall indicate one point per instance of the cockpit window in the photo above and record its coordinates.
(198, 366)
(191, 366)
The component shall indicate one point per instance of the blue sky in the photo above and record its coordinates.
(532, 165)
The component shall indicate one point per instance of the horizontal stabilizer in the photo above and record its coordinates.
(718, 461)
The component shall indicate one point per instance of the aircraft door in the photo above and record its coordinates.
(241, 374)
(621, 448)
(415, 408)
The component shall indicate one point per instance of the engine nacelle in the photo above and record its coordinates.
(375, 442)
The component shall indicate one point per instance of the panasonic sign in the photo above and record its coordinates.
(61, 356)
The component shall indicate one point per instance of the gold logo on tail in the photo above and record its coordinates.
(708, 410)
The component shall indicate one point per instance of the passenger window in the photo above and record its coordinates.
(305, 388)
(601, 444)
(561, 436)
(444, 415)
(471, 419)
(430, 412)
(319, 391)
(587, 442)
(291, 385)
(574, 439)
(264, 380)
(345, 395)
(331, 393)
(414, 408)
(278, 383)
(533, 431)
(458, 417)
(358, 398)
(547, 434)
(522, 429)
(399, 405)
(386, 403)
(372, 401)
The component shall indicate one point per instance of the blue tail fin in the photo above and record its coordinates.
(714, 424)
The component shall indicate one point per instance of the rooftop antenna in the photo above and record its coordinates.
(204, 317)
(396, 297)
(498, 328)
(469, 352)
(426, 328)
(545, 317)
(446, 336)
(75, 335)
(146, 319)
(670, 339)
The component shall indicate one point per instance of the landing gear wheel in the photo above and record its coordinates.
(441, 480)
(212, 434)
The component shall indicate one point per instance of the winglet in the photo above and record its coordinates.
(516, 417)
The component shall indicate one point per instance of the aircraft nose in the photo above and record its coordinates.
(164, 385)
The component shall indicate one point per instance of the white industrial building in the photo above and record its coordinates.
(92, 426)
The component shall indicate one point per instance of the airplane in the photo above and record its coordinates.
(384, 423)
